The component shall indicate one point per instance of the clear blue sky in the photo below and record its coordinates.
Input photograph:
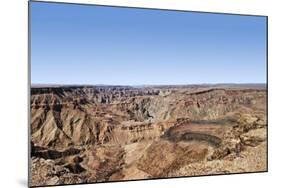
(76, 44)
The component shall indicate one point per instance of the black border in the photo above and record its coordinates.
(29, 94)
(132, 7)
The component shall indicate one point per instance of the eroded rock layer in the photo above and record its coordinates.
(85, 134)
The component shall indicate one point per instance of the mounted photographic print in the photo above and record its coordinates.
(126, 93)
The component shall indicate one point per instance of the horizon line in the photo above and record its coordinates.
(182, 84)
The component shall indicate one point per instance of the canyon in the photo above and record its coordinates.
(88, 134)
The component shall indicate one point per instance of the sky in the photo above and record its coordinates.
(78, 44)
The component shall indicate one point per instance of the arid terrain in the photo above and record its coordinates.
(87, 134)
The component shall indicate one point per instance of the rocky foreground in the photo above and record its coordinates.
(86, 134)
